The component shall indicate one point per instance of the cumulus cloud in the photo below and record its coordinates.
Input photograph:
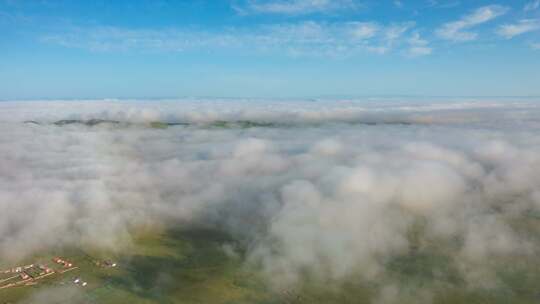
(457, 30)
(509, 31)
(327, 189)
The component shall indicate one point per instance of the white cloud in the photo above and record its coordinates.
(415, 51)
(396, 31)
(105, 39)
(338, 39)
(295, 7)
(416, 39)
(443, 3)
(398, 3)
(309, 38)
(531, 6)
(381, 50)
(364, 30)
(334, 197)
(418, 46)
(509, 31)
(456, 30)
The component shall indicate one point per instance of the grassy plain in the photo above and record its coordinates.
(190, 266)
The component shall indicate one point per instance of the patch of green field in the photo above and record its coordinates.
(190, 266)
(242, 124)
(173, 267)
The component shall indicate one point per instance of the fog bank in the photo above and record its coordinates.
(350, 187)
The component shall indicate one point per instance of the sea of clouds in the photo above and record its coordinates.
(332, 189)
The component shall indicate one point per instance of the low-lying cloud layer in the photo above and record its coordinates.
(335, 189)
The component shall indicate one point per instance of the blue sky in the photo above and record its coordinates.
(273, 48)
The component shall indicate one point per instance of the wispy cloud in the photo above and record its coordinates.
(535, 46)
(106, 38)
(364, 30)
(13, 18)
(443, 3)
(418, 46)
(509, 31)
(396, 31)
(294, 7)
(389, 38)
(416, 51)
(297, 39)
(457, 30)
(531, 6)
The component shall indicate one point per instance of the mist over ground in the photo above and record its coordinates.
(318, 189)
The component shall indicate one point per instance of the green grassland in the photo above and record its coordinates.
(190, 266)
(173, 267)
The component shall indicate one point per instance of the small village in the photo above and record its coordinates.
(30, 274)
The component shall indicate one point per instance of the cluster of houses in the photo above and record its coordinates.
(105, 264)
(62, 262)
(28, 274)
(24, 275)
